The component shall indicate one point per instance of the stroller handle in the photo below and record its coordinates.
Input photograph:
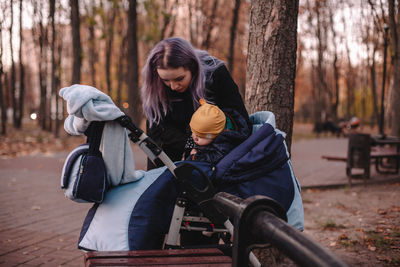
(152, 150)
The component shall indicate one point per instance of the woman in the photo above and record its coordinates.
(176, 76)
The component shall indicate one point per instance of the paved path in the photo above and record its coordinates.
(39, 227)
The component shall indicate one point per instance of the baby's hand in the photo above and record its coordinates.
(193, 152)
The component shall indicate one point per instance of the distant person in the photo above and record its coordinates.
(175, 77)
(328, 126)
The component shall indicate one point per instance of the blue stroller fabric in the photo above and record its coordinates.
(137, 215)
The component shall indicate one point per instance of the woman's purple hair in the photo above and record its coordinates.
(174, 52)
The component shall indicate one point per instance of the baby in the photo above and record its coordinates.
(212, 130)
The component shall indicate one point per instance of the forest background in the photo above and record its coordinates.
(342, 69)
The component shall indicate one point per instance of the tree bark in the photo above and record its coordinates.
(235, 19)
(394, 22)
(76, 42)
(271, 61)
(132, 59)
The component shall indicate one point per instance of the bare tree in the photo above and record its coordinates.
(132, 58)
(92, 52)
(394, 26)
(336, 74)
(39, 34)
(271, 64)
(2, 98)
(235, 19)
(109, 35)
(210, 25)
(76, 42)
(13, 79)
(53, 65)
(21, 73)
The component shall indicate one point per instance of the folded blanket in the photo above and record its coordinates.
(86, 104)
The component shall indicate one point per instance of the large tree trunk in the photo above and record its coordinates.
(132, 59)
(395, 92)
(271, 61)
(76, 42)
(235, 19)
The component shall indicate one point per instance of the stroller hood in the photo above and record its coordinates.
(263, 151)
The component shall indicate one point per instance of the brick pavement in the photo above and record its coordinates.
(39, 227)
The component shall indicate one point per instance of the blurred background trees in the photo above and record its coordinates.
(339, 61)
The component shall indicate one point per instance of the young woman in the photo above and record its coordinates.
(176, 76)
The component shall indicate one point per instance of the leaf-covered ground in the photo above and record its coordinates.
(31, 139)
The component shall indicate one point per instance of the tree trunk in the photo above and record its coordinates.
(373, 88)
(235, 19)
(394, 14)
(132, 59)
(76, 42)
(121, 73)
(12, 85)
(210, 25)
(53, 65)
(92, 42)
(271, 61)
(335, 101)
(109, 42)
(21, 72)
(2, 98)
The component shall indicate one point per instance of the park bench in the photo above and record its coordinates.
(364, 150)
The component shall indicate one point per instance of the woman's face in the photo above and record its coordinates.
(177, 79)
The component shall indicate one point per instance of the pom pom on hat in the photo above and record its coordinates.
(208, 121)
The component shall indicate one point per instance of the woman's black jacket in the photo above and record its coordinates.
(173, 131)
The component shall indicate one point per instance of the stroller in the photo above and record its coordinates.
(191, 187)
(194, 210)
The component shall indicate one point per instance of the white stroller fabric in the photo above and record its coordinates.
(86, 104)
(295, 214)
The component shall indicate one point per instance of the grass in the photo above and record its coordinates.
(331, 224)
(378, 240)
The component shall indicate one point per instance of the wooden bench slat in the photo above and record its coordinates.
(174, 257)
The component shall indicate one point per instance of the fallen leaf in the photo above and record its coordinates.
(372, 248)
(343, 236)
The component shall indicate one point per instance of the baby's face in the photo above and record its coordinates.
(200, 140)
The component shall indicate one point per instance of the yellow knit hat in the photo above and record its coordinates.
(208, 121)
